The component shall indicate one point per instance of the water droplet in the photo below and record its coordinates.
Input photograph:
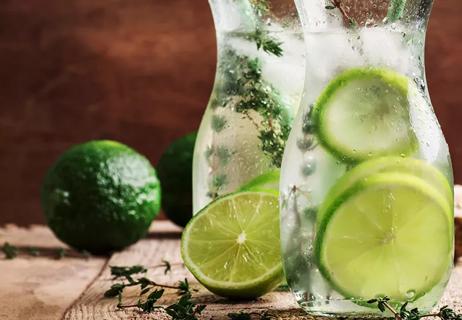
(308, 166)
(410, 294)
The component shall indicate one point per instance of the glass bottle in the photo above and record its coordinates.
(366, 181)
(257, 89)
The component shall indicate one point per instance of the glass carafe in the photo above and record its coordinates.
(366, 180)
(258, 85)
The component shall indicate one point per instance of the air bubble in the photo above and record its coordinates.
(410, 294)
(308, 166)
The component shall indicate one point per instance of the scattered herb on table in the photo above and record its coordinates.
(12, 251)
(9, 250)
(167, 266)
(266, 42)
(183, 309)
(403, 313)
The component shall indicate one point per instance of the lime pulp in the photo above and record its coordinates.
(386, 235)
(232, 245)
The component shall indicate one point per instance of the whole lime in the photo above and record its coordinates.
(175, 173)
(100, 196)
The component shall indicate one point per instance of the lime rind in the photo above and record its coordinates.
(330, 140)
(416, 167)
(249, 288)
(388, 180)
(267, 182)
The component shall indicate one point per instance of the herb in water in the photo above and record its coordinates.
(241, 88)
(244, 90)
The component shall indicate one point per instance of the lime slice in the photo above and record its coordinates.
(364, 113)
(232, 245)
(267, 182)
(416, 167)
(387, 235)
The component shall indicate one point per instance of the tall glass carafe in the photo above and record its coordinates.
(366, 180)
(258, 85)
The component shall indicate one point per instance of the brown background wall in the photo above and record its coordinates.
(139, 72)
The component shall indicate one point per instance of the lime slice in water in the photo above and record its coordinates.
(232, 245)
(387, 235)
(364, 113)
(267, 182)
(416, 167)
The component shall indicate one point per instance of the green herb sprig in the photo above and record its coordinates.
(261, 7)
(403, 313)
(266, 42)
(11, 252)
(184, 309)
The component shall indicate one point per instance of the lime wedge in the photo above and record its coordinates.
(267, 182)
(387, 235)
(416, 167)
(364, 113)
(232, 245)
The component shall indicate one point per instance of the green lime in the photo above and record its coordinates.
(267, 182)
(232, 245)
(416, 167)
(100, 196)
(364, 113)
(387, 235)
(175, 174)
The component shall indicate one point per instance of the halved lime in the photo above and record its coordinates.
(232, 245)
(267, 182)
(364, 113)
(416, 167)
(387, 235)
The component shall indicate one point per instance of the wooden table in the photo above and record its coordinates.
(71, 288)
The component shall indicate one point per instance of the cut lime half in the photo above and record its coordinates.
(232, 245)
(387, 235)
(416, 167)
(364, 113)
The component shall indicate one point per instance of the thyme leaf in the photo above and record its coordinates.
(403, 313)
(9, 250)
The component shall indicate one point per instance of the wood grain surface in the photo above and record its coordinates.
(37, 288)
(139, 72)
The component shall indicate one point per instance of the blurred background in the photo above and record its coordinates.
(139, 72)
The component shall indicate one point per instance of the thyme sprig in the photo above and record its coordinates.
(244, 89)
(403, 313)
(266, 42)
(184, 309)
(11, 252)
(127, 273)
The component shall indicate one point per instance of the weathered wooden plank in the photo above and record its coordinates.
(41, 287)
(151, 252)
